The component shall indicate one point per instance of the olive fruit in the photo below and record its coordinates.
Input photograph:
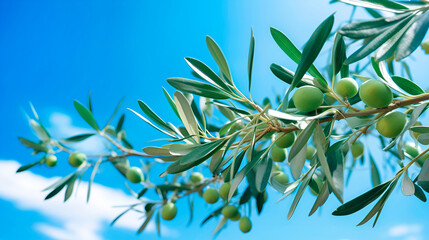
(236, 217)
(310, 152)
(346, 87)
(307, 98)
(411, 149)
(77, 158)
(425, 47)
(357, 149)
(229, 211)
(134, 174)
(285, 140)
(245, 224)
(196, 177)
(276, 167)
(375, 94)
(391, 124)
(51, 161)
(329, 100)
(224, 190)
(282, 178)
(168, 211)
(278, 154)
(210, 195)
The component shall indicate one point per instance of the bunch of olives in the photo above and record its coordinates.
(374, 93)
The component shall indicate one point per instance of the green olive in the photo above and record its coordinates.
(210, 195)
(77, 158)
(224, 190)
(357, 149)
(425, 47)
(134, 174)
(411, 149)
(168, 211)
(278, 154)
(229, 211)
(282, 178)
(391, 124)
(346, 87)
(285, 140)
(310, 152)
(307, 98)
(51, 161)
(245, 224)
(375, 94)
(236, 217)
(276, 167)
(196, 177)
(329, 100)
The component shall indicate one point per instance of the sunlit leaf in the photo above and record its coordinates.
(292, 51)
(312, 49)
(219, 58)
(206, 73)
(376, 42)
(407, 186)
(153, 116)
(86, 115)
(187, 115)
(36, 146)
(407, 85)
(195, 157)
(385, 5)
(197, 88)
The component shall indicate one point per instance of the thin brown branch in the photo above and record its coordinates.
(343, 115)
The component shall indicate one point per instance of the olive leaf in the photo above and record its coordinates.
(36, 146)
(219, 57)
(86, 115)
(197, 88)
(195, 157)
(187, 115)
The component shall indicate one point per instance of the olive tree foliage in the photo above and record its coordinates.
(301, 141)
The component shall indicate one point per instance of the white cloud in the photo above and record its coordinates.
(61, 127)
(74, 219)
(410, 231)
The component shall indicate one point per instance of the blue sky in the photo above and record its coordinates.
(52, 52)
